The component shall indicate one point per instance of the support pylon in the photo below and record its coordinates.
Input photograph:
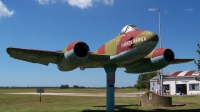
(110, 87)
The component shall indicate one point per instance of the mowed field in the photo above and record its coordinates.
(57, 103)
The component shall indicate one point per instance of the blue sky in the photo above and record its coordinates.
(53, 24)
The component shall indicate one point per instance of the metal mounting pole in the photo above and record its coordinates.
(110, 88)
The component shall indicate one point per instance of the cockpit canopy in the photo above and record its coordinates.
(128, 28)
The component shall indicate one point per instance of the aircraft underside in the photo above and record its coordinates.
(130, 56)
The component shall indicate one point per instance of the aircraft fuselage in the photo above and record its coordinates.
(129, 47)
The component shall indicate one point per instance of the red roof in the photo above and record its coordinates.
(175, 73)
(185, 73)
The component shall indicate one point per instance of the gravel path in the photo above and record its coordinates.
(138, 94)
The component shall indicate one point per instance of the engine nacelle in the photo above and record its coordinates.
(157, 59)
(75, 55)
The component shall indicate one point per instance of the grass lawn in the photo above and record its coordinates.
(30, 103)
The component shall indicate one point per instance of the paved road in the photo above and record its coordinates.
(138, 94)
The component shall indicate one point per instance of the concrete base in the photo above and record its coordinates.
(152, 99)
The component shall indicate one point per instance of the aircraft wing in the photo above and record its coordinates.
(96, 60)
(35, 56)
(177, 61)
(46, 57)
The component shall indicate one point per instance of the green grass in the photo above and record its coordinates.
(30, 103)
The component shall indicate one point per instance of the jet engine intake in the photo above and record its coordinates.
(168, 55)
(75, 55)
(81, 49)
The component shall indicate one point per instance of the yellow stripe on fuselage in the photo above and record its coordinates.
(111, 46)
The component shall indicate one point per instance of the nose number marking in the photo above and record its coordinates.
(128, 43)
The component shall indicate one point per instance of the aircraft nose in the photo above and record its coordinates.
(152, 36)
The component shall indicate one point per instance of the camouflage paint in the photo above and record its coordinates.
(128, 37)
(101, 50)
(132, 50)
(124, 42)
(121, 42)
(155, 53)
(115, 45)
(109, 48)
(70, 46)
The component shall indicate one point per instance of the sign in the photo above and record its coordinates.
(184, 82)
(40, 90)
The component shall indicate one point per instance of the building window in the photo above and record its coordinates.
(166, 89)
(194, 87)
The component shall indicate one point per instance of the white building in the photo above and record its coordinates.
(176, 83)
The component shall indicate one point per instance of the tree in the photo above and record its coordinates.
(143, 81)
(75, 86)
(64, 86)
(197, 79)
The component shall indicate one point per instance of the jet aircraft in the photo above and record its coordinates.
(133, 50)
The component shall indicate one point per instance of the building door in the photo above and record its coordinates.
(181, 88)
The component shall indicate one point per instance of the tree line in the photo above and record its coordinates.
(143, 81)
(67, 86)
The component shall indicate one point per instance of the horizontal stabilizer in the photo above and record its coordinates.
(177, 61)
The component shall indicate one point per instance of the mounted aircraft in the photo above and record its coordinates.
(132, 49)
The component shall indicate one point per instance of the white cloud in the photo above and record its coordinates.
(77, 3)
(44, 2)
(108, 2)
(152, 9)
(189, 9)
(80, 3)
(4, 12)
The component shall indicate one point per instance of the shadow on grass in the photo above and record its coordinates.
(124, 108)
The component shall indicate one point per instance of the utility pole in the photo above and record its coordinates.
(198, 62)
(140, 81)
(161, 70)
